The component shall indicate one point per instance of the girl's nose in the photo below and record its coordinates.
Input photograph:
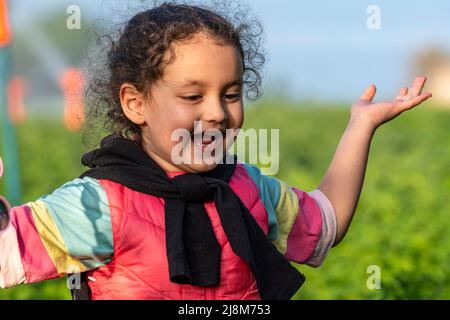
(215, 112)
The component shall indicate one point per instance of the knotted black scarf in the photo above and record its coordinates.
(193, 252)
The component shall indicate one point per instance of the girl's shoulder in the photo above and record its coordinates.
(77, 202)
(267, 185)
(79, 190)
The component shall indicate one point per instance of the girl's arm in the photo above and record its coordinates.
(344, 178)
(68, 231)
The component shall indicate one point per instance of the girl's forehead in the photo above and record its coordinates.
(201, 49)
(205, 82)
(204, 66)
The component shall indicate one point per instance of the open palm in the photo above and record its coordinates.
(379, 113)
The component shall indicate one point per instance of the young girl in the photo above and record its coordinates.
(140, 225)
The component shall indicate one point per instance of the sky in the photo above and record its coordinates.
(321, 50)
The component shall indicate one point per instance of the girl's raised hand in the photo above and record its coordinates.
(378, 113)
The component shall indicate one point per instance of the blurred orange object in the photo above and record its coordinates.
(72, 83)
(5, 31)
(16, 98)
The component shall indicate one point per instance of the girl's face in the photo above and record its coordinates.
(203, 85)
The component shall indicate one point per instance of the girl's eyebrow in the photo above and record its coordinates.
(200, 83)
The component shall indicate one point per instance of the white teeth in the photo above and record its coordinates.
(205, 139)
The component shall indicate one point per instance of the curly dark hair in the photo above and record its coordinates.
(135, 55)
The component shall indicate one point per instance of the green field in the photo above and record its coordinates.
(402, 221)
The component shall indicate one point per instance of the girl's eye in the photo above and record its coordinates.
(192, 98)
(233, 96)
(227, 96)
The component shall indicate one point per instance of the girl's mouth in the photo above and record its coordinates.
(205, 140)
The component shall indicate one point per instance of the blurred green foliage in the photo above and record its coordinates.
(402, 221)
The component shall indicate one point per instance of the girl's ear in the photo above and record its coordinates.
(132, 102)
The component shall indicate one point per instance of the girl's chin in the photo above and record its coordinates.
(201, 158)
(199, 168)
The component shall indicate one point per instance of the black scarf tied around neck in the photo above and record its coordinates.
(193, 252)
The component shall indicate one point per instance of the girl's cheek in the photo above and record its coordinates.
(184, 119)
(237, 117)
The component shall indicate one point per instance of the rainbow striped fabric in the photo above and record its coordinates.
(65, 232)
(70, 230)
(301, 224)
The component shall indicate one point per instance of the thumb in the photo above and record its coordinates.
(369, 93)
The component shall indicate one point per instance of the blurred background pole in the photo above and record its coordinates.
(9, 152)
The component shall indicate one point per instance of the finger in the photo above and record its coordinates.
(369, 93)
(418, 84)
(415, 101)
(403, 91)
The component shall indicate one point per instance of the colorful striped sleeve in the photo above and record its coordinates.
(68, 231)
(302, 225)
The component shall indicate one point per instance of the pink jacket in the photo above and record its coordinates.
(117, 235)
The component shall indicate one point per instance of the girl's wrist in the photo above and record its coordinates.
(362, 123)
